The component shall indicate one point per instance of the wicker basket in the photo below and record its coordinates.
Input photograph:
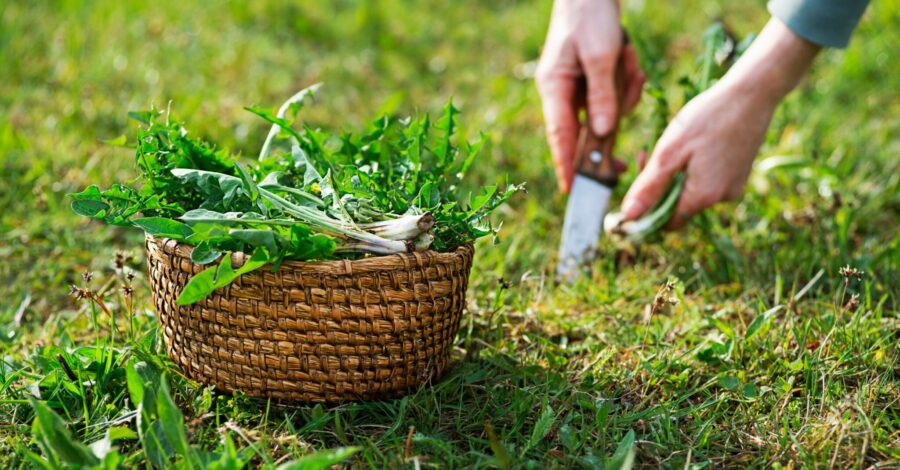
(327, 331)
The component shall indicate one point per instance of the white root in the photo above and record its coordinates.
(423, 241)
(407, 227)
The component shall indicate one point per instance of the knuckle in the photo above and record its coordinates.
(556, 130)
(696, 198)
(544, 76)
(541, 75)
(666, 160)
(708, 198)
(601, 95)
(600, 57)
(734, 192)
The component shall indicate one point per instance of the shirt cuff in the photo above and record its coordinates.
(829, 23)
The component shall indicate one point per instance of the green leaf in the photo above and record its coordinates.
(199, 216)
(478, 202)
(729, 382)
(119, 141)
(429, 196)
(172, 420)
(305, 197)
(725, 328)
(320, 460)
(473, 150)
(143, 117)
(760, 321)
(162, 227)
(444, 148)
(144, 383)
(750, 391)
(228, 458)
(111, 461)
(202, 284)
(541, 427)
(256, 237)
(55, 440)
(39, 462)
(116, 433)
(135, 385)
(215, 277)
(248, 180)
(415, 134)
(257, 260)
(90, 208)
(623, 458)
(104, 446)
(204, 254)
(283, 125)
(301, 160)
(117, 204)
(220, 190)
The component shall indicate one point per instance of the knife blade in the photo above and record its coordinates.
(595, 178)
(587, 205)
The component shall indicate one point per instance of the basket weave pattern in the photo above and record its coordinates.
(327, 331)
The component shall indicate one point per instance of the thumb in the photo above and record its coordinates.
(667, 159)
(601, 91)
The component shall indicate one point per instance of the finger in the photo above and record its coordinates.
(642, 159)
(667, 159)
(561, 119)
(634, 81)
(677, 222)
(599, 68)
(693, 200)
(633, 91)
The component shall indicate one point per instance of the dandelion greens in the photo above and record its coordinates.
(311, 195)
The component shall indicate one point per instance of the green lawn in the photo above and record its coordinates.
(759, 353)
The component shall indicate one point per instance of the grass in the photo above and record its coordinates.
(738, 342)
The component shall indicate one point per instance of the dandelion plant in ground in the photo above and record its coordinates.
(738, 342)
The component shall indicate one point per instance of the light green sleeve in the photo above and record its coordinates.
(828, 23)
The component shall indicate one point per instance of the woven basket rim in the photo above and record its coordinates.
(344, 266)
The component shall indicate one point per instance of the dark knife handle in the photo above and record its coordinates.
(593, 157)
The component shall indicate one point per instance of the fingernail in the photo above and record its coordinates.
(632, 209)
(602, 125)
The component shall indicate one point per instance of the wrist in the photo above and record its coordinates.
(775, 63)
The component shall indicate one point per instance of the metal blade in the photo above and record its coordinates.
(587, 205)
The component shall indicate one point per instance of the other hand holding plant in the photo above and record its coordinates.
(716, 136)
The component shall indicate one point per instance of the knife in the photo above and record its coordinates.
(595, 178)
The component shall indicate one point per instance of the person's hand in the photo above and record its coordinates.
(714, 140)
(716, 136)
(583, 45)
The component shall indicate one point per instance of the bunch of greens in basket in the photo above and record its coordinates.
(311, 195)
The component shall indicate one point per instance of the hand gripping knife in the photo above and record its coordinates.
(595, 177)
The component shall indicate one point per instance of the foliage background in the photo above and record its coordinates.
(543, 375)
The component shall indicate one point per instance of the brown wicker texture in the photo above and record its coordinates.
(327, 331)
